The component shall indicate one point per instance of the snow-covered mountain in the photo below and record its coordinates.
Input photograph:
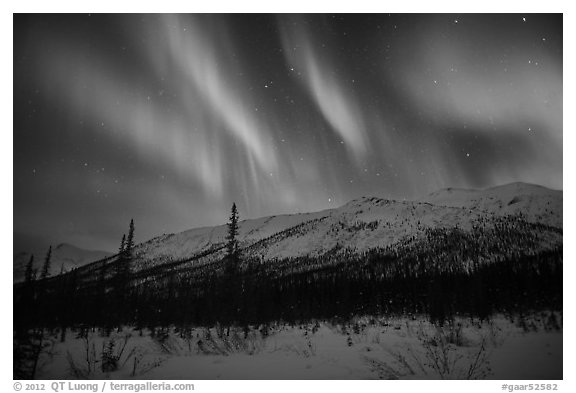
(533, 213)
(363, 224)
(535, 203)
(65, 257)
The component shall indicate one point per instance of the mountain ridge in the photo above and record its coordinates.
(65, 257)
(360, 225)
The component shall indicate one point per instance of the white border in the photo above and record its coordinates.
(299, 6)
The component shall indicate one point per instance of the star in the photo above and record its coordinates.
(203, 118)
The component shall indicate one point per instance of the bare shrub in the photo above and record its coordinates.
(32, 349)
(112, 353)
(111, 357)
(247, 341)
(440, 354)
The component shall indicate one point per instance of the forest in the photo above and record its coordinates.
(497, 267)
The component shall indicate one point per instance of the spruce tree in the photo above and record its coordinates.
(46, 267)
(29, 275)
(231, 238)
(122, 276)
(29, 308)
(129, 245)
(122, 245)
(231, 284)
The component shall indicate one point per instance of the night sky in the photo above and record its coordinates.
(170, 118)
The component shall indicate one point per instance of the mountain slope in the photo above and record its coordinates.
(535, 203)
(363, 224)
(528, 214)
(369, 256)
(64, 257)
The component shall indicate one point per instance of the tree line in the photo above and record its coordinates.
(445, 273)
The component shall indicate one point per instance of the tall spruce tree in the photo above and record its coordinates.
(231, 238)
(46, 267)
(122, 245)
(129, 245)
(121, 279)
(230, 283)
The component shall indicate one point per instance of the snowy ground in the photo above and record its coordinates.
(368, 349)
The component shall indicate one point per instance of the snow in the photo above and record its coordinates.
(361, 224)
(529, 356)
(193, 241)
(536, 203)
(393, 348)
(64, 255)
(387, 349)
(316, 233)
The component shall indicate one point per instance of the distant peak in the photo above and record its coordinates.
(366, 199)
(518, 185)
(457, 189)
(514, 185)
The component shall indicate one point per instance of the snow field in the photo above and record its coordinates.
(366, 348)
